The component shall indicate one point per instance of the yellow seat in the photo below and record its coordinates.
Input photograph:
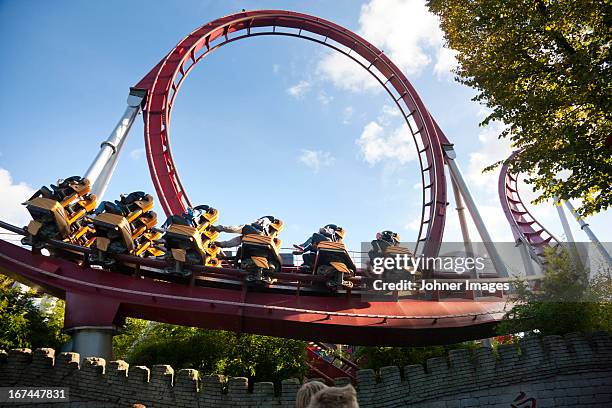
(55, 208)
(118, 222)
(397, 250)
(331, 246)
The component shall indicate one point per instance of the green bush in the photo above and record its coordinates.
(567, 301)
(28, 319)
(260, 358)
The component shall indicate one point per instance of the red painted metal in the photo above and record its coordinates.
(524, 226)
(329, 366)
(102, 298)
(165, 79)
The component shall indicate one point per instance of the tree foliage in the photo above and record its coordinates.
(28, 319)
(260, 358)
(543, 68)
(567, 301)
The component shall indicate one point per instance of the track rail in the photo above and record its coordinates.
(524, 225)
(166, 78)
(333, 319)
(99, 287)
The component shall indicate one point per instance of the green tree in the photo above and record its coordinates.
(28, 319)
(260, 358)
(131, 333)
(543, 68)
(567, 301)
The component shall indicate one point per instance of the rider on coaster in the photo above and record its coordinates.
(384, 240)
(260, 226)
(330, 232)
(387, 244)
(190, 217)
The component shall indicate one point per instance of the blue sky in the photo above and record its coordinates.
(263, 126)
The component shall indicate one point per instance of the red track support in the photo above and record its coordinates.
(329, 367)
(339, 320)
(165, 79)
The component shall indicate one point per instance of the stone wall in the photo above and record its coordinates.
(552, 371)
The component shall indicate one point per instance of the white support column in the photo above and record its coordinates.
(101, 169)
(93, 341)
(104, 179)
(457, 177)
(587, 230)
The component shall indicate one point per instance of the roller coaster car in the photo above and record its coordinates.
(126, 226)
(259, 253)
(259, 256)
(332, 260)
(59, 213)
(189, 239)
(397, 274)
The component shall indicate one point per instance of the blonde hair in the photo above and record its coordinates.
(306, 392)
(335, 397)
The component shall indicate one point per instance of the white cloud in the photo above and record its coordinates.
(446, 62)
(137, 154)
(376, 145)
(388, 110)
(315, 159)
(388, 115)
(13, 195)
(413, 225)
(324, 98)
(491, 150)
(345, 74)
(347, 114)
(298, 90)
(405, 30)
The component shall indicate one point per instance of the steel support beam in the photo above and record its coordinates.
(101, 169)
(104, 179)
(526, 257)
(569, 236)
(465, 233)
(457, 178)
(587, 230)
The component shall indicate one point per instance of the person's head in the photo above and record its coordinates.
(390, 237)
(306, 392)
(335, 397)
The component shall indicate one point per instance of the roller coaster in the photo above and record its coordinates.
(109, 259)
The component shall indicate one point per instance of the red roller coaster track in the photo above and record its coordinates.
(100, 298)
(165, 79)
(524, 226)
